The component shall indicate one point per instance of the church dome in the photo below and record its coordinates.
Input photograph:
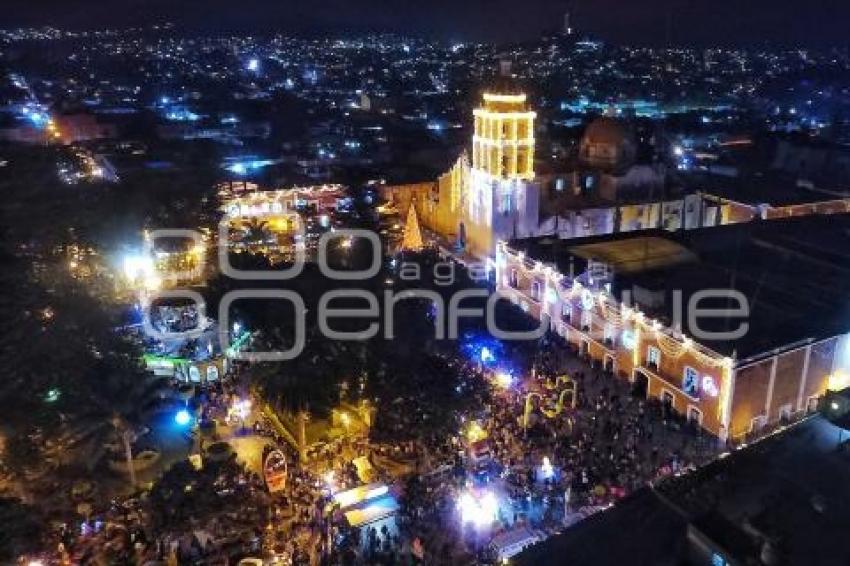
(608, 131)
(608, 143)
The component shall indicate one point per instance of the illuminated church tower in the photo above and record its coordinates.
(502, 199)
(490, 193)
(503, 145)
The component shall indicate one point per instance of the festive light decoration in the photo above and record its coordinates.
(183, 417)
(838, 380)
(709, 386)
(503, 144)
(604, 310)
(475, 432)
(504, 379)
(412, 240)
(481, 511)
(546, 469)
(587, 301)
(569, 389)
(486, 355)
(629, 339)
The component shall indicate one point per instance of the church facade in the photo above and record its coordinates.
(492, 192)
(491, 197)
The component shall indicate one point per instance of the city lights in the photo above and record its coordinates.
(563, 226)
(838, 380)
(183, 417)
(547, 471)
(475, 432)
(481, 510)
(504, 379)
(486, 355)
(137, 266)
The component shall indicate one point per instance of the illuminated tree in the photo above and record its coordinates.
(412, 240)
(118, 408)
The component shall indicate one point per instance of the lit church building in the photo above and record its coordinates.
(494, 197)
(492, 192)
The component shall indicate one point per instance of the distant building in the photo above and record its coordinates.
(493, 193)
(815, 164)
(16, 130)
(568, 24)
(608, 144)
(81, 127)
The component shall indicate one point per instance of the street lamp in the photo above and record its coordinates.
(183, 417)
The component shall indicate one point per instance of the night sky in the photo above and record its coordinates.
(695, 22)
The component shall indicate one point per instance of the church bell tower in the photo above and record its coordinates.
(503, 144)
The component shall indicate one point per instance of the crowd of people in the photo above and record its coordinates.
(557, 469)
(548, 470)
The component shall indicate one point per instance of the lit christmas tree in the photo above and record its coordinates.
(412, 240)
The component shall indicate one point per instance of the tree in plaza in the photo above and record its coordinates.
(412, 240)
(172, 507)
(22, 530)
(51, 333)
(257, 231)
(118, 407)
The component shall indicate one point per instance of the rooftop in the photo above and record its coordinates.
(794, 273)
(791, 488)
(773, 188)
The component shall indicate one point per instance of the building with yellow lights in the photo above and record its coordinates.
(738, 328)
(277, 222)
(490, 192)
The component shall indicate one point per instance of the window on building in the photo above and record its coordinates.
(758, 423)
(536, 290)
(785, 412)
(653, 357)
(608, 334)
(667, 398)
(812, 404)
(690, 381)
(566, 311)
(514, 279)
(694, 415)
(507, 204)
(586, 318)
